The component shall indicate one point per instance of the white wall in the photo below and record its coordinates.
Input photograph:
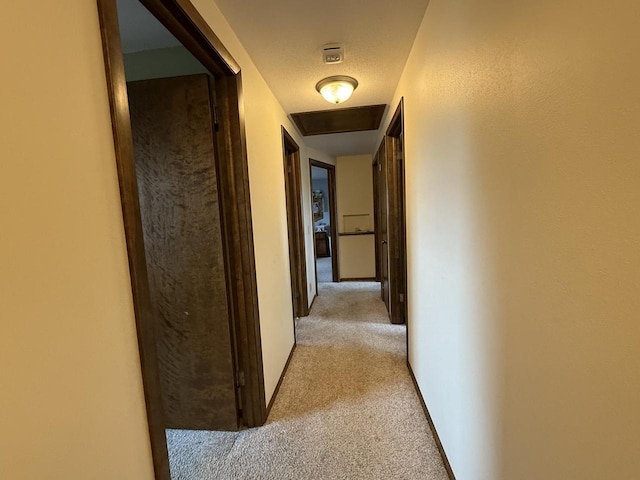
(71, 399)
(523, 187)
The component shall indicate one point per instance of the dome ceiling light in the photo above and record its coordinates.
(336, 89)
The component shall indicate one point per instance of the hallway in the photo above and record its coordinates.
(347, 408)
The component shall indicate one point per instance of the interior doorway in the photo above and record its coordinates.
(182, 168)
(297, 255)
(381, 206)
(390, 218)
(325, 229)
(396, 219)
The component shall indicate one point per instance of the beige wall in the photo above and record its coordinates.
(71, 400)
(523, 187)
(72, 404)
(354, 192)
(355, 257)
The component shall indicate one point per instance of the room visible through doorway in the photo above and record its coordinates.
(324, 224)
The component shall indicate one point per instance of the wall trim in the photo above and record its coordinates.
(282, 375)
(436, 437)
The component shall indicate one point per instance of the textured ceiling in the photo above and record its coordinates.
(285, 38)
(338, 144)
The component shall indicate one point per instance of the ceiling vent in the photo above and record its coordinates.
(332, 53)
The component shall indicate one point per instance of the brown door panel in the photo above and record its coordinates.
(173, 141)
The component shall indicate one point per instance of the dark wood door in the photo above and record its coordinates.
(173, 139)
(395, 159)
(383, 238)
(297, 255)
(400, 252)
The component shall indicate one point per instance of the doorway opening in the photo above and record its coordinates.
(179, 141)
(395, 234)
(381, 206)
(389, 200)
(325, 228)
(295, 226)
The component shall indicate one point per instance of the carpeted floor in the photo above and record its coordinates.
(347, 408)
(324, 269)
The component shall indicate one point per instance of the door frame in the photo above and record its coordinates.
(396, 217)
(182, 19)
(375, 165)
(295, 225)
(381, 195)
(333, 216)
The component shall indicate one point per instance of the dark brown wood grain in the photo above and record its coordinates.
(333, 216)
(297, 255)
(382, 223)
(341, 120)
(235, 199)
(333, 212)
(396, 216)
(173, 143)
(187, 25)
(119, 107)
(322, 245)
(351, 234)
(376, 209)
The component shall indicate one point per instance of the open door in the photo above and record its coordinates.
(183, 22)
(396, 232)
(381, 215)
(325, 228)
(297, 256)
(172, 127)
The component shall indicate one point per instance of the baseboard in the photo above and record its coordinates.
(284, 371)
(364, 279)
(443, 454)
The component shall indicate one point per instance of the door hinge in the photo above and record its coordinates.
(402, 298)
(216, 125)
(240, 379)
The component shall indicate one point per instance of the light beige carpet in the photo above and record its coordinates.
(347, 408)
(324, 269)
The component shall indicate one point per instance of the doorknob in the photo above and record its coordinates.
(384, 242)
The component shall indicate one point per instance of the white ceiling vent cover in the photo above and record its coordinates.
(332, 53)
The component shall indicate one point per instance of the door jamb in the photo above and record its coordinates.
(295, 226)
(396, 219)
(182, 19)
(333, 216)
(375, 164)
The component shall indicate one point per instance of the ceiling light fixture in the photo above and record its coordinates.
(336, 89)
